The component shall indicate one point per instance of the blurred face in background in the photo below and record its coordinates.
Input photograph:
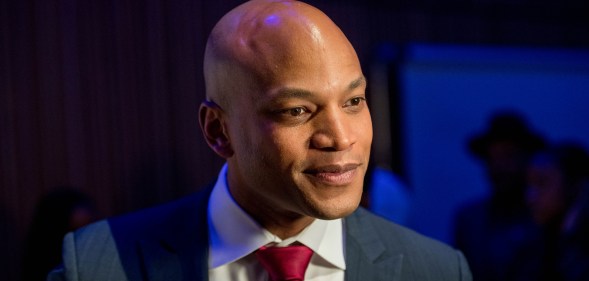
(545, 193)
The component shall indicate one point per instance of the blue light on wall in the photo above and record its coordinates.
(448, 93)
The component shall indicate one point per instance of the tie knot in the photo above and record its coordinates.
(285, 263)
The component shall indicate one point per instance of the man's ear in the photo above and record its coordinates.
(213, 128)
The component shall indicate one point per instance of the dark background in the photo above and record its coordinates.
(103, 95)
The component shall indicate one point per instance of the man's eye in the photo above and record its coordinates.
(354, 101)
(297, 111)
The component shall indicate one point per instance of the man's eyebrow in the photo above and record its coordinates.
(290, 93)
(357, 83)
(297, 93)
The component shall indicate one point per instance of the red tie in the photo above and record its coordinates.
(285, 263)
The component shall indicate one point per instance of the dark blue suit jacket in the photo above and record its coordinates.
(170, 242)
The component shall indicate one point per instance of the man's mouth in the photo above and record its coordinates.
(336, 175)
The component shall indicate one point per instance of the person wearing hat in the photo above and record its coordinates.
(489, 229)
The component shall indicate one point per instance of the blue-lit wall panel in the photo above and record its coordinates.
(448, 93)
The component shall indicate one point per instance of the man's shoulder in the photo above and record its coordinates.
(401, 236)
(163, 214)
(124, 245)
(148, 222)
(423, 258)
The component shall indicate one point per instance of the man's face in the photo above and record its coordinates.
(302, 137)
(545, 193)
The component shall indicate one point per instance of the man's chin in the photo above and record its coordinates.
(335, 211)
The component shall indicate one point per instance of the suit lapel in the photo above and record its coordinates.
(159, 262)
(180, 250)
(366, 256)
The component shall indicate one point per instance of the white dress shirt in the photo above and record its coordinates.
(235, 236)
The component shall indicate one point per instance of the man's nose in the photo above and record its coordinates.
(333, 131)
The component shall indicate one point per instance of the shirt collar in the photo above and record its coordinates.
(234, 234)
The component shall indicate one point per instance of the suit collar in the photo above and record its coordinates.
(367, 258)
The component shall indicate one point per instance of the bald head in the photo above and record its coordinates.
(263, 40)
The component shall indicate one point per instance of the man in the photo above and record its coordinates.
(286, 108)
(490, 229)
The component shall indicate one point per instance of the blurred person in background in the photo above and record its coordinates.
(58, 212)
(557, 197)
(490, 229)
(386, 194)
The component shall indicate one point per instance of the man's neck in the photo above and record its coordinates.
(280, 222)
(284, 227)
